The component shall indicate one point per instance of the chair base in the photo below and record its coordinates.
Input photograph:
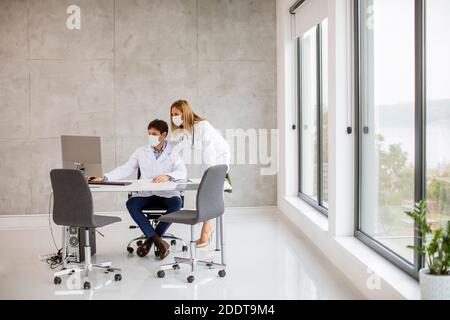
(193, 261)
(87, 267)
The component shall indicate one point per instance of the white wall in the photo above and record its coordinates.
(125, 66)
(370, 273)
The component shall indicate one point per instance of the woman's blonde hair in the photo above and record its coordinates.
(189, 117)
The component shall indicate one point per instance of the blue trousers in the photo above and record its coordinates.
(136, 204)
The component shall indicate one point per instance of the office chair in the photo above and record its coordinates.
(210, 205)
(73, 206)
(152, 214)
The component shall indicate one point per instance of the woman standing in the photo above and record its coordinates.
(197, 133)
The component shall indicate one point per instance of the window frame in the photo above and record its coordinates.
(420, 137)
(319, 203)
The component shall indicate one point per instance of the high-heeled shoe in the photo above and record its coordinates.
(199, 244)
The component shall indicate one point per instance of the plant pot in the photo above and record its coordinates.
(434, 287)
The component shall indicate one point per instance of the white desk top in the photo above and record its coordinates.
(146, 186)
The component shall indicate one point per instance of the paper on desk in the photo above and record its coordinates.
(148, 185)
(226, 185)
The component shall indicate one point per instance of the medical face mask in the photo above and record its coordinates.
(153, 140)
(177, 120)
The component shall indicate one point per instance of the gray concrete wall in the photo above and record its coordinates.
(125, 66)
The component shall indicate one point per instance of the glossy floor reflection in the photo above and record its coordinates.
(265, 259)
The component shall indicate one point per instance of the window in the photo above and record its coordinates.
(324, 135)
(396, 87)
(387, 118)
(313, 114)
(438, 110)
(308, 110)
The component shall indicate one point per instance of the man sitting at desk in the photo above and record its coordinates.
(159, 164)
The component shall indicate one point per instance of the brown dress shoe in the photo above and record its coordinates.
(163, 247)
(144, 248)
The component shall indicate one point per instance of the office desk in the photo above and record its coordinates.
(147, 186)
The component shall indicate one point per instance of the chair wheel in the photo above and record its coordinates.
(190, 279)
(173, 242)
(161, 274)
(139, 243)
(185, 248)
(130, 249)
(176, 267)
(57, 280)
(86, 285)
(117, 277)
(222, 273)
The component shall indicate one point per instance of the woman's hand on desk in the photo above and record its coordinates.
(161, 179)
(95, 179)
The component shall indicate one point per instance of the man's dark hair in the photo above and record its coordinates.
(159, 125)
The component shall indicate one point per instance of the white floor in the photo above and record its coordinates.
(265, 258)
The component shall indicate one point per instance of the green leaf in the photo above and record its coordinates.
(434, 243)
(418, 249)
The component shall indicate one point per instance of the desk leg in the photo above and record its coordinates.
(222, 240)
(64, 247)
(217, 234)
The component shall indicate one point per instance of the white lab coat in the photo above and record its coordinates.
(214, 149)
(169, 163)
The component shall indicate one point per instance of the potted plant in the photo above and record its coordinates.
(435, 250)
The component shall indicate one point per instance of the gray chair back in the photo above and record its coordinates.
(73, 204)
(210, 193)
